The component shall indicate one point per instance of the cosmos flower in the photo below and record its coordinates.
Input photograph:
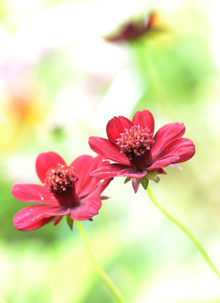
(137, 153)
(132, 30)
(66, 191)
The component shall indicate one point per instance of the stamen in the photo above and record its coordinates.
(135, 142)
(61, 178)
(61, 182)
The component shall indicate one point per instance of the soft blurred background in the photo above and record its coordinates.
(60, 82)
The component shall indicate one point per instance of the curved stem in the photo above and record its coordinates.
(99, 270)
(185, 230)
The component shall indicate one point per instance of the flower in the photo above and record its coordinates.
(137, 153)
(132, 30)
(66, 190)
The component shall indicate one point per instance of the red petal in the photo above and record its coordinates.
(159, 171)
(163, 162)
(107, 172)
(117, 170)
(57, 220)
(46, 161)
(183, 148)
(165, 135)
(145, 119)
(131, 173)
(108, 150)
(99, 188)
(31, 225)
(177, 151)
(32, 193)
(87, 210)
(33, 217)
(83, 166)
(80, 166)
(135, 184)
(81, 163)
(116, 127)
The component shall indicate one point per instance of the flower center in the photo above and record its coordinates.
(135, 141)
(61, 182)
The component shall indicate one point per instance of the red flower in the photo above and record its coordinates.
(134, 29)
(138, 155)
(67, 190)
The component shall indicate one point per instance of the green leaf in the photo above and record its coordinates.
(145, 182)
(69, 221)
(127, 180)
(153, 176)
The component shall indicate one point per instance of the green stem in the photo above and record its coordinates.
(185, 230)
(99, 270)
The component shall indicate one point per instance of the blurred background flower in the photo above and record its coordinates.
(60, 82)
(136, 29)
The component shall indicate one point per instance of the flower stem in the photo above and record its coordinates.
(185, 230)
(99, 270)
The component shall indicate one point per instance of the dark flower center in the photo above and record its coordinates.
(136, 143)
(61, 182)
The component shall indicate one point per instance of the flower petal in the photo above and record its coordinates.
(99, 188)
(80, 166)
(28, 225)
(33, 217)
(175, 165)
(144, 119)
(83, 166)
(160, 163)
(32, 193)
(117, 170)
(89, 208)
(57, 220)
(135, 184)
(183, 148)
(160, 171)
(177, 151)
(108, 150)
(116, 127)
(46, 161)
(165, 135)
(81, 163)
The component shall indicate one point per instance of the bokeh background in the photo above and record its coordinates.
(60, 82)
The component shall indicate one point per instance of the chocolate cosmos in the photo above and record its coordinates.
(67, 190)
(136, 153)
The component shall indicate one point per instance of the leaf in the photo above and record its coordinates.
(127, 180)
(69, 221)
(153, 176)
(145, 182)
